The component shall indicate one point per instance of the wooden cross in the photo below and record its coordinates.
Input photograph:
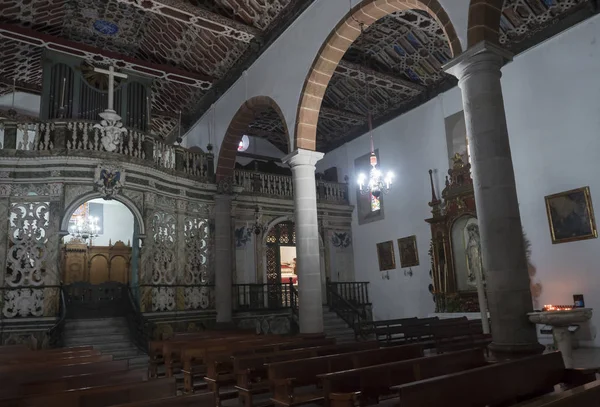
(111, 83)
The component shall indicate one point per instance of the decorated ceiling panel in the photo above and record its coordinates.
(199, 38)
(268, 125)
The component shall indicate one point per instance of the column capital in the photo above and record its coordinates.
(302, 157)
(483, 56)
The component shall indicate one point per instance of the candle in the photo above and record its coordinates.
(62, 96)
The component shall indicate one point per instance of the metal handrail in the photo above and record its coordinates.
(55, 332)
(348, 312)
(139, 327)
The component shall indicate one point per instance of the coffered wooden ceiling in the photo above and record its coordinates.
(398, 62)
(195, 49)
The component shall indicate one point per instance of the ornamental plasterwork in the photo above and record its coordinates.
(5, 189)
(30, 189)
(165, 202)
(23, 302)
(109, 179)
(28, 237)
(4, 174)
(198, 298)
(135, 196)
(196, 235)
(74, 191)
(163, 253)
(163, 299)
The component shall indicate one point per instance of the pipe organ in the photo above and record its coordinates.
(72, 90)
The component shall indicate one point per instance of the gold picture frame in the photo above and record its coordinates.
(386, 255)
(571, 216)
(407, 249)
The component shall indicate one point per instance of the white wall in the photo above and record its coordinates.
(118, 224)
(24, 103)
(553, 111)
(282, 69)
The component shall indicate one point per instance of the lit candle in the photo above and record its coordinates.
(62, 95)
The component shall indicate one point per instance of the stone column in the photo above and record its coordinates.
(502, 245)
(223, 252)
(307, 239)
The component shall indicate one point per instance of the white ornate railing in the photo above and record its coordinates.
(282, 186)
(81, 135)
(84, 136)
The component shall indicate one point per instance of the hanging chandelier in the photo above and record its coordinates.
(376, 183)
(86, 228)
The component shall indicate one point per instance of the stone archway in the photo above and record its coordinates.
(336, 45)
(249, 110)
(484, 21)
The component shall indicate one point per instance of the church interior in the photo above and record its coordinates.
(299, 202)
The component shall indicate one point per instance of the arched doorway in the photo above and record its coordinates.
(280, 260)
(99, 258)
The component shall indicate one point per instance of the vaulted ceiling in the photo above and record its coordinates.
(196, 45)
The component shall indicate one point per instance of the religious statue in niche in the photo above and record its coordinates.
(473, 253)
(109, 180)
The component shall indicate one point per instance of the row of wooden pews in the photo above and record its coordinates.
(295, 371)
(78, 376)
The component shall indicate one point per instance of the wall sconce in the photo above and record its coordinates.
(385, 275)
(408, 273)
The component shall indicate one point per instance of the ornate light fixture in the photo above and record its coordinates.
(376, 183)
(86, 229)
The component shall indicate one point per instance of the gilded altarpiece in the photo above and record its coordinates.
(455, 214)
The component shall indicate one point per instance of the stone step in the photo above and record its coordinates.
(87, 339)
(95, 323)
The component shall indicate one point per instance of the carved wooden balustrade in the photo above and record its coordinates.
(75, 137)
(282, 186)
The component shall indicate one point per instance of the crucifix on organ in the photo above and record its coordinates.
(74, 89)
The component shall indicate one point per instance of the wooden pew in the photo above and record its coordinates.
(401, 332)
(366, 385)
(190, 400)
(13, 348)
(502, 383)
(42, 372)
(9, 370)
(98, 396)
(155, 348)
(459, 335)
(53, 385)
(587, 395)
(287, 377)
(251, 371)
(44, 356)
(215, 362)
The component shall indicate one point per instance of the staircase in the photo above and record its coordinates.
(337, 328)
(108, 335)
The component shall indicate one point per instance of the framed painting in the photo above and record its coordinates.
(571, 215)
(386, 256)
(407, 248)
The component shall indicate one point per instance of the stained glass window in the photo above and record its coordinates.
(375, 203)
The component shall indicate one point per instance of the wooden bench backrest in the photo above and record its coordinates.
(36, 365)
(243, 362)
(155, 348)
(60, 371)
(495, 384)
(14, 348)
(306, 370)
(100, 396)
(587, 395)
(379, 378)
(192, 400)
(84, 381)
(31, 356)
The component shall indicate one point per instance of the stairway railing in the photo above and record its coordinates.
(140, 328)
(352, 312)
(294, 307)
(55, 334)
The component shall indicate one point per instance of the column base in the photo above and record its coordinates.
(506, 351)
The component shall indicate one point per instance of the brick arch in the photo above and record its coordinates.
(484, 21)
(336, 45)
(249, 110)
